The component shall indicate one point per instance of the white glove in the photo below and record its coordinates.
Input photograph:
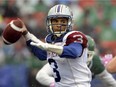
(48, 47)
(40, 44)
(45, 46)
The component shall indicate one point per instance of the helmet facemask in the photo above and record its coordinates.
(59, 32)
(90, 55)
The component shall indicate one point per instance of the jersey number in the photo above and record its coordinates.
(53, 62)
(79, 38)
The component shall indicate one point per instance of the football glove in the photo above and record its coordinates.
(48, 47)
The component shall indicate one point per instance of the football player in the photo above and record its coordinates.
(45, 75)
(96, 66)
(64, 49)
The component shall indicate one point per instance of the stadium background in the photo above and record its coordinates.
(18, 66)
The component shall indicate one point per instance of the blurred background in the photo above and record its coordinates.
(18, 66)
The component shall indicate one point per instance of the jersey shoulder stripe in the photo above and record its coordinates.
(75, 36)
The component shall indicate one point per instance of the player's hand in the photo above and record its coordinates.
(24, 29)
(52, 84)
(39, 44)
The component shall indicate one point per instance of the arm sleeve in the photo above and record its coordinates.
(97, 66)
(107, 79)
(73, 50)
(39, 53)
(45, 75)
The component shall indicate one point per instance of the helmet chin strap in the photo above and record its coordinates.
(58, 35)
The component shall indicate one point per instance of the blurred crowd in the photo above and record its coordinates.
(96, 18)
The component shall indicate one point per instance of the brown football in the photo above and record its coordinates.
(11, 33)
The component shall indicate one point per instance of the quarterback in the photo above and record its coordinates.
(64, 49)
(45, 75)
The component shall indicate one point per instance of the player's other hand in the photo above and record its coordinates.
(52, 84)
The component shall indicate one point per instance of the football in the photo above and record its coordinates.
(11, 33)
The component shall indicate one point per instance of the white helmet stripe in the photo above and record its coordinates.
(55, 9)
(61, 7)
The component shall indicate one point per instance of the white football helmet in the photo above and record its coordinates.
(59, 10)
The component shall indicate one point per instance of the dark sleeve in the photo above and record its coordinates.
(39, 53)
(73, 50)
(97, 66)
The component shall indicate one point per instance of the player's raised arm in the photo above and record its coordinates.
(41, 54)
